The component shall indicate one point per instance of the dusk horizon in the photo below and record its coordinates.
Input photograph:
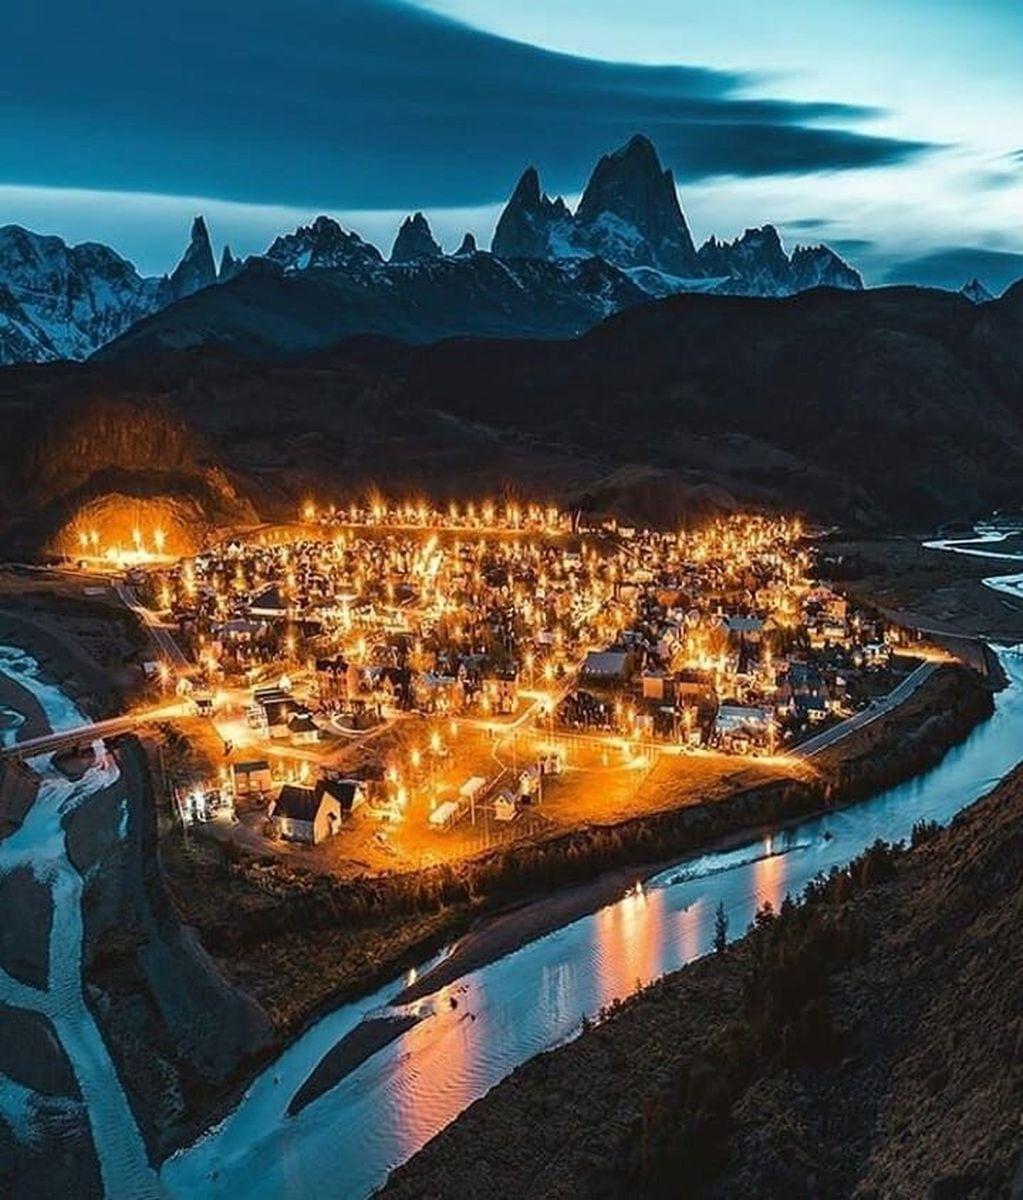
(820, 155)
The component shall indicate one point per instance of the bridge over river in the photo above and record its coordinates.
(83, 736)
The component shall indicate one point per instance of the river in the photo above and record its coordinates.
(40, 844)
(345, 1142)
(536, 997)
(1010, 585)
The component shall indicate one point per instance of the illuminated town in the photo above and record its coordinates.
(430, 681)
(511, 601)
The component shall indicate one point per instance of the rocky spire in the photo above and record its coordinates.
(631, 206)
(229, 266)
(415, 241)
(196, 269)
(529, 219)
(975, 291)
(467, 248)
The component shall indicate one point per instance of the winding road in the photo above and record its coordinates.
(160, 634)
(878, 709)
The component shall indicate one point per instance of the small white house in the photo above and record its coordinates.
(505, 807)
(304, 814)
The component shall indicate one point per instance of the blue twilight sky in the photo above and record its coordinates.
(889, 128)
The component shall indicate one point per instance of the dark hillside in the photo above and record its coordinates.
(896, 408)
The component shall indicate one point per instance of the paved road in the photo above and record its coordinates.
(885, 705)
(161, 635)
(84, 735)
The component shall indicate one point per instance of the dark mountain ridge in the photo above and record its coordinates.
(270, 312)
(891, 409)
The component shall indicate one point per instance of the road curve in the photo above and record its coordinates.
(880, 707)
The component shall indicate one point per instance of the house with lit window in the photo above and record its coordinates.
(313, 814)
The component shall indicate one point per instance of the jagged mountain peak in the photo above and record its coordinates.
(526, 192)
(756, 264)
(323, 244)
(229, 265)
(532, 225)
(196, 269)
(628, 238)
(638, 149)
(415, 241)
(976, 292)
(631, 213)
(761, 235)
(820, 266)
(62, 301)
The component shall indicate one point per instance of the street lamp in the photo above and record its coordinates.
(548, 674)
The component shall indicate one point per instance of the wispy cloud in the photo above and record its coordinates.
(369, 104)
(951, 268)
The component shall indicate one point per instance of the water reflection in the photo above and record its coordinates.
(692, 927)
(536, 997)
(770, 877)
(630, 944)
(434, 1077)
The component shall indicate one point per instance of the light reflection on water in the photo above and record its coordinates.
(536, 997)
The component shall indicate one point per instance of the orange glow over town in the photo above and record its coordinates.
(432, 679)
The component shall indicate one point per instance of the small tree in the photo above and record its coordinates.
(720, 929)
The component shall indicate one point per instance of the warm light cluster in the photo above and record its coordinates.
(375, 511)
(635, 641)
(522, 602)
(143, 547)
(118, 532)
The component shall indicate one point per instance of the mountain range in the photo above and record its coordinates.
(550, 272)
(59, 301)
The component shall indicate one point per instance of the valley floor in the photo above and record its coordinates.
(932, 589)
